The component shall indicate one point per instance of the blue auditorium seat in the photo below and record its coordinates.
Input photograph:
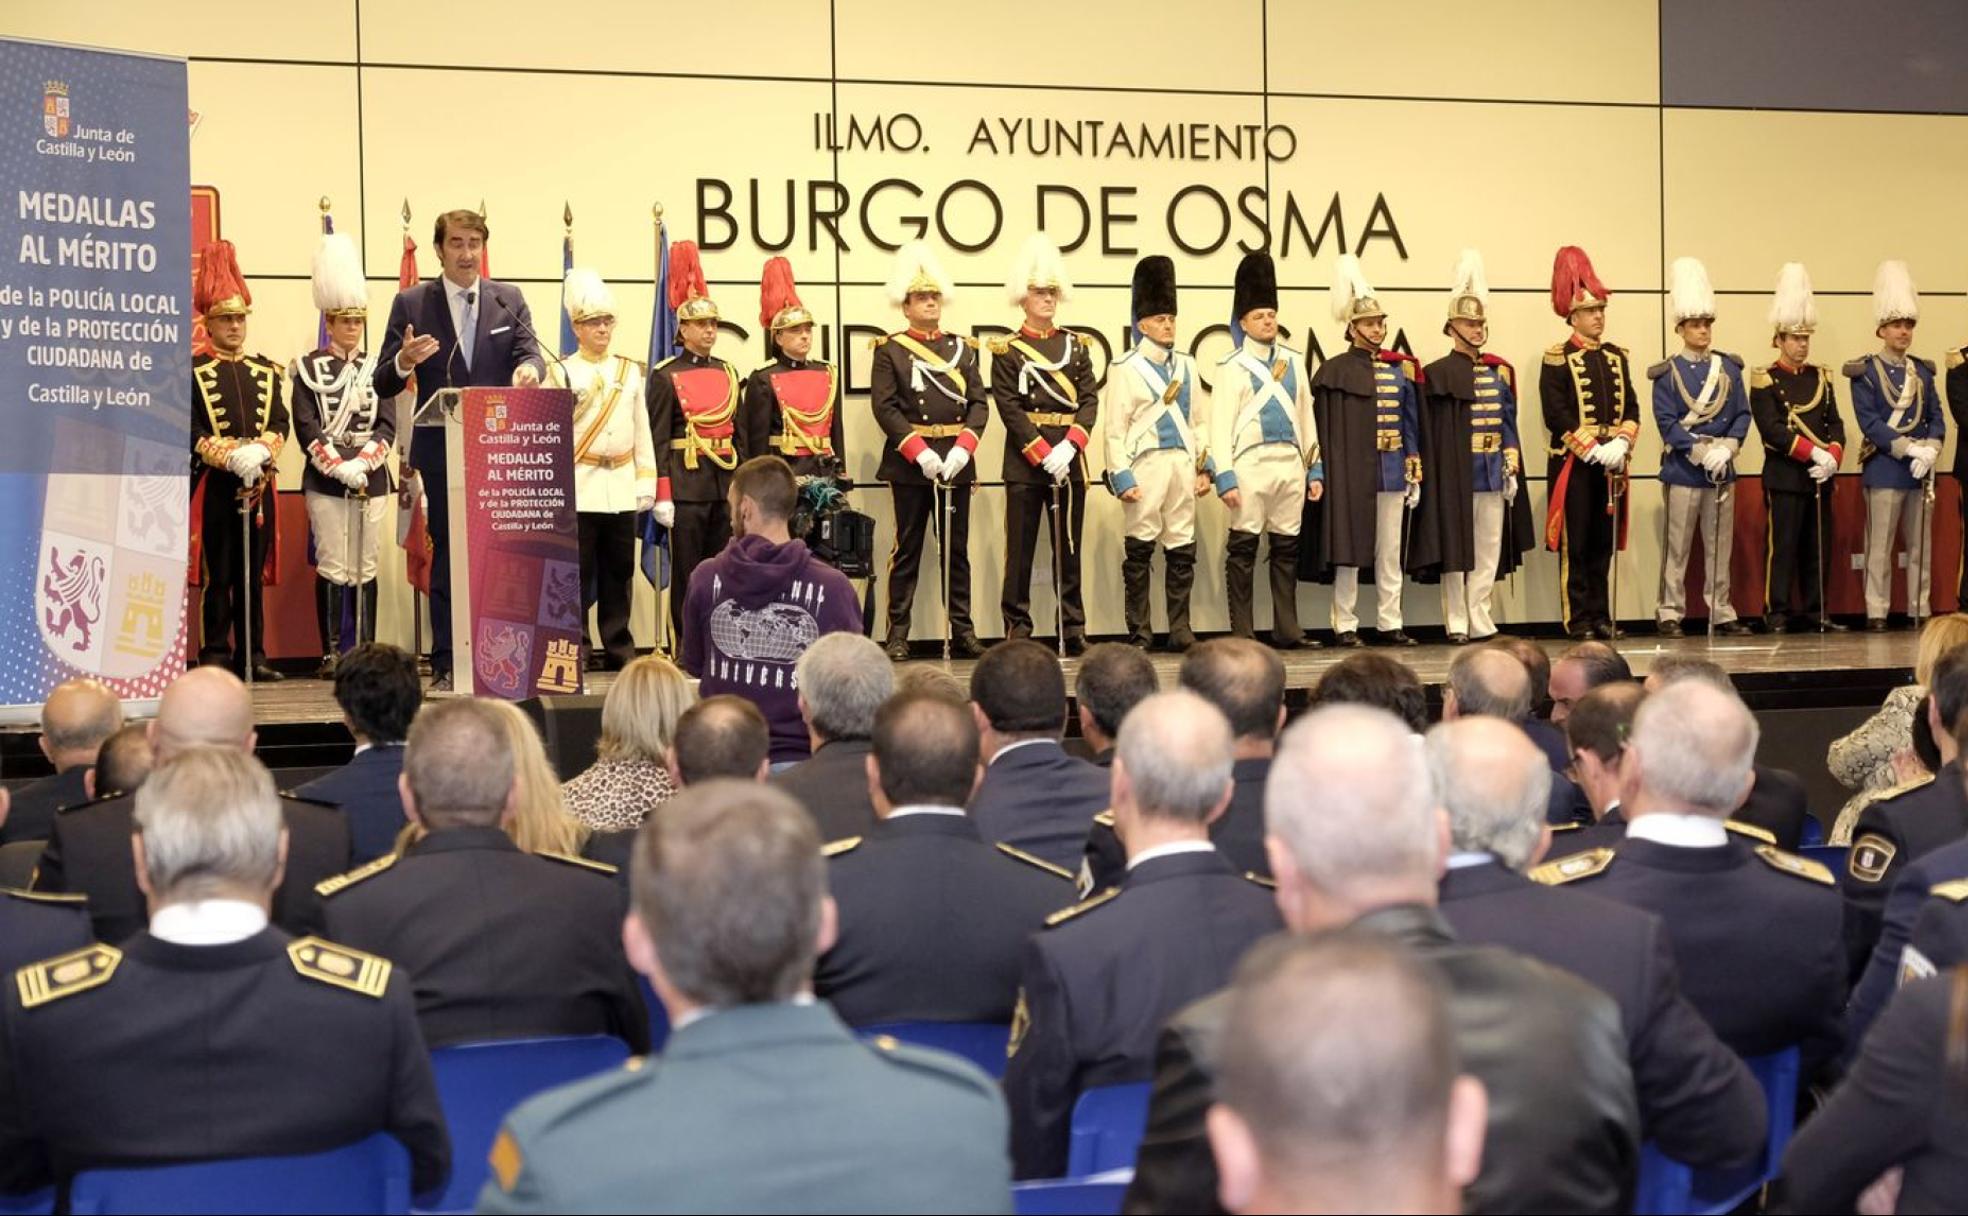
(1830, 856)
(479, 1083)
(1813, 833)
(370, 1175)
(1068, 1197)
(982, 1043)
(36, 1203)
(1108, 1122)
(1668, 1188)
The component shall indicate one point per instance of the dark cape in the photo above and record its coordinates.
(1338, 530)
(1448, 485)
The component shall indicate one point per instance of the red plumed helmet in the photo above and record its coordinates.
(1574, 284)
(777, 293)
(690, 295)
(221, 290)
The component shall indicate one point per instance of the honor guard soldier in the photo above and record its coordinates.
(614, 459)
(693, 424)
(1593, 418)
(1901, 428)
(1795, 405)
(347, 431)
(1042, 380)
(1156, 464)
(928, 393)
(1367, 403)
(1266, 450)
(1483, 520)
(237, 430)
(791, 404)
(1703, 415)
(1957, 400)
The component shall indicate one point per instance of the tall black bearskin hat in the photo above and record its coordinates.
(1154, 287)
(1257, 285)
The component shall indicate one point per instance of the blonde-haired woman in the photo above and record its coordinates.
(541, 823)
(1879, 755)
(630, 774)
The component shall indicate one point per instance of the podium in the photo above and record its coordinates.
(517, 621)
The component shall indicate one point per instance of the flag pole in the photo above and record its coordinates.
(412, 484)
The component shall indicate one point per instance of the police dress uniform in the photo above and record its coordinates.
(1238, 833)
(1796, 413)
(1154, 407)
(40, 924)
(933, 920)
(1038, 797)
(1591, 413)
(693, 425)
(1266, 449)
(157, 1052)
(1103, 975)
(1920, 933)
(1889, 834)
(238, 426)
(1901, 425)
(1940, 931)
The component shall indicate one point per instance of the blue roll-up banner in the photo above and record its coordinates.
(95, 369)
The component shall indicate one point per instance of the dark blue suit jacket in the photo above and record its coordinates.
(365, 790)
(1040, 799)
(500, 346)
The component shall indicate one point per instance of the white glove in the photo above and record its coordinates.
(1059, 462)
(1412, 498)
(1922, 464)
(665, 513)
(248, 457)
(353, 473)
(1717, 460)
(1821, 459)
(930, 463)
(645, 503)
(954, 463)
(1822, 473)
(1933, 452)
(1612, 453)
(1510, 487)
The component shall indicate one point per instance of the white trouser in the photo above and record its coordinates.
(1687, 508)
(1913, 515)
(1466, 597)
(330, 516)
(1271, 485)
(1166, 513)
(1387, 571)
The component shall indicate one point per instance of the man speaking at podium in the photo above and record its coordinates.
(464, 332)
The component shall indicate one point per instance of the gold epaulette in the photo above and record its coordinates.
(1086, 905)
(342, 882)
(1955, 358)
(586, 863)
(1573, 868)
(875, 342)
(1270, 884)
(1105, 819)
(1018, 854)
(638, 364)
(1554, 356)
(1506, 373)
(1791, 863)
(999, 345)
(64, 898)
(325, 962)
(1954, 892)
(834, 848)
(66, 974)
(1750, 830)
(665, 363)
(970, 342)
(1572, 826)
(1759, 377)
(1904, 787)
(1855, 367)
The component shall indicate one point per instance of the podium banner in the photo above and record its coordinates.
(522, 617)
(95, 369)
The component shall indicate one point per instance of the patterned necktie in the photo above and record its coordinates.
(468, 328)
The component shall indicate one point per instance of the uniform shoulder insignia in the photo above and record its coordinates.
(265, 361)
(1018, 854)
(665, 363)
(1727, 357)
(1791, 863)
(324, 962)
(1870, 857)
(342, 882)
(66, 974)
(1904, 787)
(999, 346)
(1572, 826)
(875, 343)
(1105, 819)
(1750, 830)
(1925, 362)
(1084, 906)
(834, 848)
(1657, 370)
(970, 342)
(1554, 355)
(1954, 891)
(1570, 869)
(1955, 358)
(585, 863)
(64, 898)
(1759, 377)
(1269, 884)
(1613, 348)
(1855, 368)
(1501, 366)
(638, 364)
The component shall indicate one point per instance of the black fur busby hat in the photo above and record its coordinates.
(1257, 285)
(1154, 287)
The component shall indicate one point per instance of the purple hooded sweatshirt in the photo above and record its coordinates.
(750, 613)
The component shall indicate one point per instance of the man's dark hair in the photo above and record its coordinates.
(1243, 678)
(769, 482)
(376, 686)
(124, 760)
(464, 219)
(1950, 690)
(1113, 678)
(1601, 663)
(1601, 721)
(721, 736)
(1020, 688)
(1924, 745)
(1376, 680)
(728, 880)
(926, 750)
(1535, 661)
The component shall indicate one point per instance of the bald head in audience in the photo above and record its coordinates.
(1487, 682)
(1693, 752)
(1245, 679)
(721, 736)
(204, 706)
(1494, 783)
(75, 720)
(1171, 771)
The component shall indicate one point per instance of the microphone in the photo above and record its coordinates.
(542, 347)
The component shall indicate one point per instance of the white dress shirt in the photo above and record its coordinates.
(207, 922)
(1012, 747)
(1170, 850)
(1680, 831)
(924, 808)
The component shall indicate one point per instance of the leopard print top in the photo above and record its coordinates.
(616, 794)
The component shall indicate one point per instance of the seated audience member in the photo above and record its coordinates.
(631, 772)
(1893, 1137)
(1581, 669)
(1550, 738)
(933, 919)
(40, 924)
(1698, 1102)
(1873, 757)
(1777, 802)
(212, 1034)
(1490, 683)
(89, 853)
(763, 1101)
(843, 679)
(1720, 895)
(1378, 681)
(75, 720)
(377, 688)
(122, 764)
(722, 736)
(765, 588)
(1113, 677)
(1339, 1088)
(1598, 729)
(912, 678)
(1100, 979)
(1245, 680)
(1357, 836)
(1034, 795)
(499, 943)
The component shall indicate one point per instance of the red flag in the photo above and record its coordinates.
(413, 533)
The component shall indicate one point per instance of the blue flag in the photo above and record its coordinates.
(663, 324)
(568, 342)
(655, 551)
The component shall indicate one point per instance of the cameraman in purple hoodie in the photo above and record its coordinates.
(752, 610)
